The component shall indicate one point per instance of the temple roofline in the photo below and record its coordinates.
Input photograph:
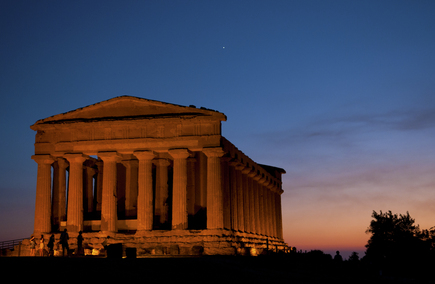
(184, 110)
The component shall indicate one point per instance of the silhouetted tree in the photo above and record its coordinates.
(354, 257)
(396, 242)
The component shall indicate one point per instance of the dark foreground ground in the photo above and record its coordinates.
(207, 269)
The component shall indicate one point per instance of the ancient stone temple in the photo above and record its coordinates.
(154, 176)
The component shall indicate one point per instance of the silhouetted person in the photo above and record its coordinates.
(41, 246)
(79, 243)
(32, 246)
(64, 242)
(105, 242)
(337, 257)
(50, 245)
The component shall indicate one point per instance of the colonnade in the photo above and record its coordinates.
(237, 196)
(255, 201)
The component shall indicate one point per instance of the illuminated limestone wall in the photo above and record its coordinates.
(150, 173)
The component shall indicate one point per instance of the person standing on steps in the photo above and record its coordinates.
(64, 242)
(32, 246)
(50, 245)
(79, 243)
(41, 246)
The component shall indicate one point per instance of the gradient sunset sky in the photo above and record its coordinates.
(341, 94)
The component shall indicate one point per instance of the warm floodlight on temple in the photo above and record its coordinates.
(156, 177)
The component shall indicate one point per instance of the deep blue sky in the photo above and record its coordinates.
(341, 94)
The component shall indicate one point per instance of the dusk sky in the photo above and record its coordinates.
(341, 94)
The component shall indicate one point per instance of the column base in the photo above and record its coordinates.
(142, 233)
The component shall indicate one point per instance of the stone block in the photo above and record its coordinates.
(174, 250)
(197, 250)
(159, 250)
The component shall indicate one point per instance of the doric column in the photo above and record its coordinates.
(99, 190)
(240, 205)
(273, 206)
(131, 185)
(74, 218)
(215, 211)
(88, 182)
(59, 192)
(255, 188)
(179, 189)
(280, 229)
(251, 201)
(43, 194)
(234, 203)
(246, 201)
(278, 211)
(273, 213)
(108, 204)
(145, 191)
(226, 192)
(262, 205)
(191, 194)
(162, 192)
(269, 211)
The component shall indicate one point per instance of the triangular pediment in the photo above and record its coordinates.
(128, 107)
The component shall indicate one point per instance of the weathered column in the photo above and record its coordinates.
(272, 211)
(108, 204)
(273, 206)
(99, 191)
(59, 192)
(88, 183)
(226, 192)
(272, 202)
(43, 194)
(74, 218)
(234, 202)
(215, 210)
(145, 191)
(179, 189)
(240, 205)
(191, 194)
(131, 185)
(268, 210)
(255, 188)
(251, 201)
(245, 186)
(202, 179)
(162, 192)
(278, 212)
(280, 229)
(263, 227)
(200, 220)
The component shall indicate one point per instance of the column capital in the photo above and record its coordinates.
(213, 152)
(257, 177)
(272, 186)
(240, 167)
(43, 159)
(62, 163)
(130, 163)
(77, 157)
(266, 183)
(252, 174)
(144, 154)
(109, 156)
(247, 170)
(161, 162)
(262, 180)
(179, 153)
(235, 162)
